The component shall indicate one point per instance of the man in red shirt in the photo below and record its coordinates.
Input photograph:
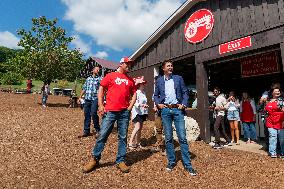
(120, 93)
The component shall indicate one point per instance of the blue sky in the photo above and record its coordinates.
(107, 29)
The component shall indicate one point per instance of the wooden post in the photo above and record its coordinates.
(202, 101)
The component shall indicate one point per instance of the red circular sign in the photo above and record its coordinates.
(198, 26)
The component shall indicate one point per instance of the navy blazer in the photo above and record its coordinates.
(180, 88)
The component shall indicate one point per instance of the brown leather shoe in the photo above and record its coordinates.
(123, 167)
(84, 135)
(90, 166)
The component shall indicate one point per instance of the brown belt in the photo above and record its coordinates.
(172, 105)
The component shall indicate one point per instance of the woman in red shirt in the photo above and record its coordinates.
(248, 112)
(275, 123)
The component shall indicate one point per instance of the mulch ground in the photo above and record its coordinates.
(39, 148)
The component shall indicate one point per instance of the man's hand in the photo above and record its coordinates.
(282, 124)
(161, 106)
(79, 100)
(155, 109)
(253, 119)
(262, 100)
(181, 106)
(101, 110)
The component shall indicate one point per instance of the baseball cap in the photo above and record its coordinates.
(125, 60)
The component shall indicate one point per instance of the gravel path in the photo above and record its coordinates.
(40, 149)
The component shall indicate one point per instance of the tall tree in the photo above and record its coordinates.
(45, 55)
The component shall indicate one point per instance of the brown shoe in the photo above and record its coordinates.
(84, 135)
(90, 166)
(123, 167)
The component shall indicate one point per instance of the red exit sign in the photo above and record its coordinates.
(235, 45)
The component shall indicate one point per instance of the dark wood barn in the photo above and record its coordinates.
(107, 66)
(204, 65)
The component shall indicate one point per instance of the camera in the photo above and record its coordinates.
(280, 103)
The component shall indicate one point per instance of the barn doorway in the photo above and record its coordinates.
(252, 73)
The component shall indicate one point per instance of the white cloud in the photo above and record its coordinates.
(7, 39)
(119, 24)
(81, 45)
(101, 54)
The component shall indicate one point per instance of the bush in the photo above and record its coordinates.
(81, 80)
(11, 78)
(62, 84)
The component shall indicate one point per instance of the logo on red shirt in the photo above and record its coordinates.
(199, 25)
(119, 81)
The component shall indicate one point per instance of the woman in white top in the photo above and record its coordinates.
(139, 113)
(233, 116)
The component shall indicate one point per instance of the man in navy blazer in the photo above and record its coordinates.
(171, 97)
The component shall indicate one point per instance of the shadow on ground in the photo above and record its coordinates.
(56, 105)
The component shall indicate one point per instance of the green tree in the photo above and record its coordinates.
(5, 55)
(45, 55)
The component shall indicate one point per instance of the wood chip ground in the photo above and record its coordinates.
(39, 148)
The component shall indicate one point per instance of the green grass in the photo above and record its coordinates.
(38, 84)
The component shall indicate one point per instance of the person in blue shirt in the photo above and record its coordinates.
(171, 97)
(89, 91)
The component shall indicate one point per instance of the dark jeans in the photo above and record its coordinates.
(109, 118)
(90, 110)
(170, 115)
(44, 99)
(220, 122)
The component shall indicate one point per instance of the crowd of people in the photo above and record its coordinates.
(244, 111)
(119, 98)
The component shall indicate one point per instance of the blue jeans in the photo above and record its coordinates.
(273, 134)
(249, 130)
(44, 99)
(170, 115)
(109, 118)
(90, 110)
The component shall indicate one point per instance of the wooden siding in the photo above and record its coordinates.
(233, 19)
(263, 20)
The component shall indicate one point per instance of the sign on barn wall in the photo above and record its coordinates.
(263, 64)
(198, 26)
(235, 45)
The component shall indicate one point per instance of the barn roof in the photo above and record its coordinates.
(106, 63)
(95, 61)
(178, 14)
